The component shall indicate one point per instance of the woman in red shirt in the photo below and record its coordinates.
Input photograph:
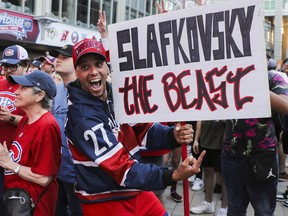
(33, 159)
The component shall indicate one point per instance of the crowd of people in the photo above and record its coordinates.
(60, 141)
(103, 150)
(41, 160)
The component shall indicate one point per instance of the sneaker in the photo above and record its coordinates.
(286, 203)
(176, 197)
(197, 185)
(205, 207)
(282, 197)
(283, 176)
(191, 179)
(221, 212)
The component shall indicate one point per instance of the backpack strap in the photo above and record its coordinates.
(41, 194)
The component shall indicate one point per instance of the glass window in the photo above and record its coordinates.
(269, 4)
(107, 9)
(170, 5)
(272, 5)
(148, 3)
(285, 4)
(94, 12)
(140, 14)
(12, 2)
(134, 4)
(115, 9)
(154, 9)
(266, 5)
(15, 5)
(55, 8)
(29, 6)
(141, 6)
(68, 11)
(82, 10)
(127, 13)
(133, 14)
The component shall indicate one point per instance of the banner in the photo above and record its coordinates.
(17, 26)
(201, 63)
(27, 28)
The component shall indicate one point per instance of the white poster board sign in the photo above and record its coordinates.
(201, 63)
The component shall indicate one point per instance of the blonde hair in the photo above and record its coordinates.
(56, 77)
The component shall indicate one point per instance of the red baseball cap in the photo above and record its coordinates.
(86, 46)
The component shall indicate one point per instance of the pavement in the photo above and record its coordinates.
(197, 197)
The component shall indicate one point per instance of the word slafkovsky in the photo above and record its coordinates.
(200, 37)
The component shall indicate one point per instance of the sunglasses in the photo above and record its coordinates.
(12, 67)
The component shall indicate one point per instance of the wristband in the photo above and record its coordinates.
(12, 118)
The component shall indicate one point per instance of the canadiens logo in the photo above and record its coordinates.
(15, 153)
(7, 99)
(9, 52)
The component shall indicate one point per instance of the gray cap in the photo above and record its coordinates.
(272, 64)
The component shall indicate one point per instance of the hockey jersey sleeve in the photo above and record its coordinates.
(155, 136)
(96, 145)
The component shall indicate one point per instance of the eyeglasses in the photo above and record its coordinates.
(13, 68)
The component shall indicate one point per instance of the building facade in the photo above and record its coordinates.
(276, 12)
(40, 25)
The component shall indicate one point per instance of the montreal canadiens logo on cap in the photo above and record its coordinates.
(9, 52)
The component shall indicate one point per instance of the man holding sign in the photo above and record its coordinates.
(109, 178)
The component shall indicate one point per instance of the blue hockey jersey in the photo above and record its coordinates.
(106, 154)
